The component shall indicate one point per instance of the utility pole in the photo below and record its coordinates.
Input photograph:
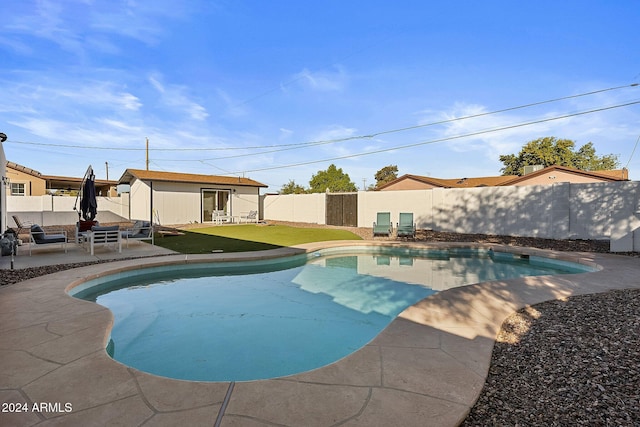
(147, 153)
(106, 164)
(364, 184)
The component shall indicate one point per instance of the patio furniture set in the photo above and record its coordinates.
(88, 234)
(220, 217)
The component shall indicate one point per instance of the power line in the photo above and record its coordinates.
(345, 139)
(329, 141)
(633, 152)
(400, 147)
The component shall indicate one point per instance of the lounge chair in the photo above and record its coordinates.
(406, 226)
(37, 236)
(383, 225)
(22, 225)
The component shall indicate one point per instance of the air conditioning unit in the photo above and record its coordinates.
(532, 168)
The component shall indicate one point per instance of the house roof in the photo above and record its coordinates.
(24, 169)
(488, 181)
(604, 175)
(146, 175)
(55, 181)
(64, 181)
(493, 181)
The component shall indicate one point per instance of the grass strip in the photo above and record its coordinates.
(248, 237)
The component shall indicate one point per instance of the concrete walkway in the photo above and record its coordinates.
(426, 368)
(54, 254)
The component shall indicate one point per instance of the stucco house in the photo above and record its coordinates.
(181, 198)
(555, 174)
(24, 181)
(536, 176)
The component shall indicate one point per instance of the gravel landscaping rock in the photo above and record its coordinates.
(566, 362)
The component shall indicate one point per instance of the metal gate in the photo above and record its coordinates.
(342, 209)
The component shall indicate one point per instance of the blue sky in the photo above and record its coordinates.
(278, 90)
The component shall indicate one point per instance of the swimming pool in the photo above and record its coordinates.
(237, 321)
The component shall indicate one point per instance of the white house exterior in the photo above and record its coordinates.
(181, 198)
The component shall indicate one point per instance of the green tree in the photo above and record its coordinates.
(587, 160)
(386, 174)
(332, 179)
(549, 151)
(292, 188)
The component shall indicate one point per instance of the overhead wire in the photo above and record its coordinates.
(329, 141)
(286, 149)
(632, 152)
(450, 138)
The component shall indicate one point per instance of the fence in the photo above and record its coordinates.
(58, 210)
(558, 211)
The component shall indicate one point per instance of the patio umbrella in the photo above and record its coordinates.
(88, 203)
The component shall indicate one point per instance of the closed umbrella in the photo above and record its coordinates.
(88, 202)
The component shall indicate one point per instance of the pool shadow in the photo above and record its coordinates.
(190, 242)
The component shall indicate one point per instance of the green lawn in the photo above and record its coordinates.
(249, 237)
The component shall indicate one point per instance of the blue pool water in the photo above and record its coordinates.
(256, 320)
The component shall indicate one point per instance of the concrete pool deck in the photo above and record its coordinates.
(426, 368)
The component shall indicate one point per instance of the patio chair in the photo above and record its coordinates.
(22, 225)
(104, 236)
(252, 216)
(82, 229)
(141, 230)
(383, 225)
(37, 236)
(406, 226)
(220, 217)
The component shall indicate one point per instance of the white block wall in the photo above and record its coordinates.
(558, 211)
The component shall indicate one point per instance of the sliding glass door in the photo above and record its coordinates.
(214, 202)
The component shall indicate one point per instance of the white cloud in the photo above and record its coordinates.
(57, 95)
(285, 133)
(46, 19)
(468, 127)
(122, 126)
(233, 108)
(322, 81)
(175, 97)
(16, 45)
(156, 84)
(338, 142)
(82, 26)
(503, 133)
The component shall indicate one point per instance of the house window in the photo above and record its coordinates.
(17, 189)
(215, 202)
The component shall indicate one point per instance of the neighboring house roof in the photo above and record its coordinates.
(506, 180)
(485, 181)
(145, 175)
(24, 169)
(604, 175)
(54, 181)
(489, 181)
